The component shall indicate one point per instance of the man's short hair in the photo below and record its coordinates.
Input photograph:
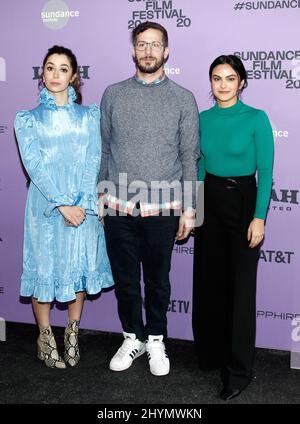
(149, 25)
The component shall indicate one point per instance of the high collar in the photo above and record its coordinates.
(48, 99)
(228, 110)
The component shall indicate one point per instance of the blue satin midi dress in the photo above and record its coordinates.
(61, 150)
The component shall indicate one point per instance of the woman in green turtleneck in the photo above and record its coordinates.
(236, 142)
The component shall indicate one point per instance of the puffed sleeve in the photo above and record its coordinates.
(25, 128)
(88, 198)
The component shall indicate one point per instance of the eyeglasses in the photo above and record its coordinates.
(156, 46)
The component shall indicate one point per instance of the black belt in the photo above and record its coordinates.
(231, 181)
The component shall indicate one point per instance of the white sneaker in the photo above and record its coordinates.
(131, 348)
(157, 356)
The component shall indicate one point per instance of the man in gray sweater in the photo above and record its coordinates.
(150, 132)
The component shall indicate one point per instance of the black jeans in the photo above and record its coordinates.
(224, 298)
(132, 241)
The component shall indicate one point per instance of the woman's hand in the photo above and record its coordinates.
(256, 232)
(73, 214)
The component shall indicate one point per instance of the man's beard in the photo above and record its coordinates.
(149, 69)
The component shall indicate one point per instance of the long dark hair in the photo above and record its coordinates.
(236, 64)
(76, 84)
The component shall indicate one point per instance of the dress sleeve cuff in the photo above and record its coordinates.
(55, 202)
(89, 202)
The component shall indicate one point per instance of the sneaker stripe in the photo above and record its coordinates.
(125, 355)
(133, 353)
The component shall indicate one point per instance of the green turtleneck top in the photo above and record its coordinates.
(237, 141)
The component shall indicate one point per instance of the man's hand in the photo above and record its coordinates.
(186, 224)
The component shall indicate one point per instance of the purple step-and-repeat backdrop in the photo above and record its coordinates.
(265, 34)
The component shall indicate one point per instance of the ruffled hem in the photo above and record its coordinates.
(64, 289)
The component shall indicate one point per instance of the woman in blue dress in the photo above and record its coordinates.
(64, 253)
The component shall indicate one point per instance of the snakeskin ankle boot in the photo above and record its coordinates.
(47, 349)
(71, 343)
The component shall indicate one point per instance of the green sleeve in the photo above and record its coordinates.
(201, 163)
(201, 168)
(264, 144)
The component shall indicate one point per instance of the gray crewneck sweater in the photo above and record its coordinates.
(150, 133)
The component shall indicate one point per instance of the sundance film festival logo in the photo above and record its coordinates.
(296, 72)
(157, 9)
(170, 70)
(2, 330)
(267, 5)
(56, 14)
(2, 69)
(279, 134)
(273, 65)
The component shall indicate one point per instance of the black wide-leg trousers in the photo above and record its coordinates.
(225, 267)
(133, 241)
